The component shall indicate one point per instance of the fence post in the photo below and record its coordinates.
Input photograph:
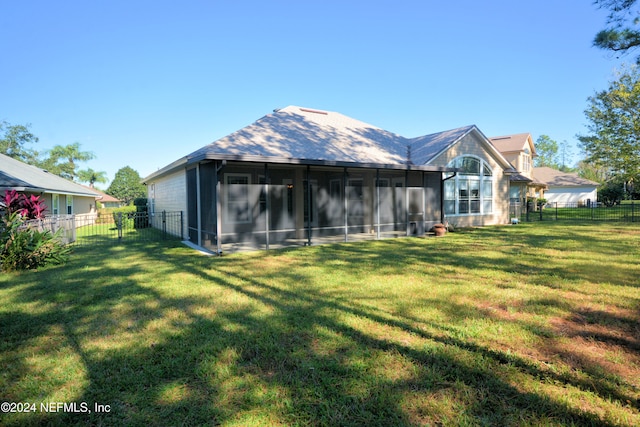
(181, 225)
(556, 210)
(164, 225)
(540, 208)
(119, 225)
(633, 212)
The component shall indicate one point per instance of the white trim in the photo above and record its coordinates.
(481, 179)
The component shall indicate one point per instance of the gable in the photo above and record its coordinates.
(439, 149)
(516, 143)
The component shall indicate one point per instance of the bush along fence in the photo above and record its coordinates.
(555, 211)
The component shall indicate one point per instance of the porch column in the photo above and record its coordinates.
(199, 210)
(218, 168)
(268, 205)
(377, 184)
(345, 177)
(309, 204)
(406, 203)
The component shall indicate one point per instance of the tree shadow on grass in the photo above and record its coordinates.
(238, 344)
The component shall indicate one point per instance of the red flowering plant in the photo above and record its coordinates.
(23, 247)
(29, 207)
(33, 207)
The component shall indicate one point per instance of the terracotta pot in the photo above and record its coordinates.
(439, 230)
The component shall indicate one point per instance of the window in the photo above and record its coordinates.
(152, 195)
(237, 197)
(69, 205)
(471, 190)
(526, 160)
(55, 209)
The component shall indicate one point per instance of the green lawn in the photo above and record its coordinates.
(534, 324)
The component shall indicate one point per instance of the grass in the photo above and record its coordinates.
(534, 324)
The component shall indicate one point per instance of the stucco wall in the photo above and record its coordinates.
(81, 204)
(471, 145)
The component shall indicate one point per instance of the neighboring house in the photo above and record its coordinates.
(304, 176)
(566, 188)
(59, 195)
(106, 200)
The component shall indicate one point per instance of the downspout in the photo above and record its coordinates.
(442, 195)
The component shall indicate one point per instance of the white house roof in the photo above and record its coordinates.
(556, 178)
(15, 175)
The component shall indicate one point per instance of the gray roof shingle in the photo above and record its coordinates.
(27, 178)
(302, 135)
(555, 177)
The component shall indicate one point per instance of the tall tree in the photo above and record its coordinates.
(13, 139)
(623, 33)
(547, 152)
(591, 172)
(127, 186)
(91, 176)
(62, 160)
(613, 141)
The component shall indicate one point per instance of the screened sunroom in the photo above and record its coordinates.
(237, 205)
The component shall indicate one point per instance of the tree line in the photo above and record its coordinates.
(611, 146)
(612, 143)
(65, 160)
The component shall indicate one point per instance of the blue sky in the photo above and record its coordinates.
(142, 83)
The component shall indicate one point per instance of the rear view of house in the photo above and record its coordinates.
(301, 176)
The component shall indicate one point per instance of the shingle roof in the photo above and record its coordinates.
(555, 177)
(511, 143)
(23, 177)
(426, 148)
(302, 133)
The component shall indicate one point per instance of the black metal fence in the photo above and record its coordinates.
(120, 227)
(555, 211)
(133, 226)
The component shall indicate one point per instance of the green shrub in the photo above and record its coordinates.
(142, 216)
(23, 248)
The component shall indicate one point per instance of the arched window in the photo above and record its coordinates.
(471, 190)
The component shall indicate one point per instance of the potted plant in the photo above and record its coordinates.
(439, 229)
